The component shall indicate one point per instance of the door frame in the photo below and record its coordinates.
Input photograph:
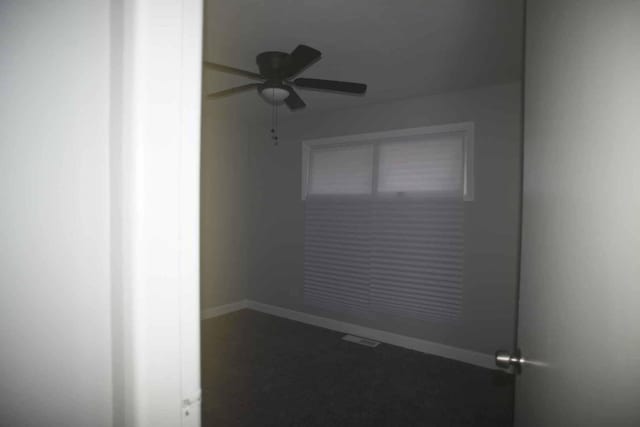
(156, 68)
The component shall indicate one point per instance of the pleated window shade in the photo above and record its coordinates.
(399, 250)
(431, 165)
(341, 170)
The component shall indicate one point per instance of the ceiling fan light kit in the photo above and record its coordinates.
(274, 95)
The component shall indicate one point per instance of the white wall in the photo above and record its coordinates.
(491, 221)
(55, 343)
(99, 174)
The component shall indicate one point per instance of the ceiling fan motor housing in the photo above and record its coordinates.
(272, 64)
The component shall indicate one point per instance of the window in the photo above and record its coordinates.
(384, 221)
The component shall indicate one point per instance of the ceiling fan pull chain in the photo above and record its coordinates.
(273, 130)
(274, 123)
(276, 135)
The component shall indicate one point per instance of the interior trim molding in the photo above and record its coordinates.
(455, 353)
(211, 312)
(466, 356)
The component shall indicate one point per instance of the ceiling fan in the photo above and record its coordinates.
(276, 71)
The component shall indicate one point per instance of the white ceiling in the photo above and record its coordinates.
(401, 48)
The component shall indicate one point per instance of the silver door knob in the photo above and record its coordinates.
(506, 360)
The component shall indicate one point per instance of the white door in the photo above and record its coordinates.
(579, 327)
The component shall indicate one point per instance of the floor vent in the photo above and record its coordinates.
(360, 340)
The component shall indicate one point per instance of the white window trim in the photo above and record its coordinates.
(467, 128)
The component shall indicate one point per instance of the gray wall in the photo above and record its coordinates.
(224, 260)
(492, 220)
(55, 290)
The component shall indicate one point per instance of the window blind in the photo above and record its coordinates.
(337, 254)
(430, 165)
(341, 170)
(400, 249)
(417, 258)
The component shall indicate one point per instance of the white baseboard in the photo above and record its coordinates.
(449, 352)
(208, 313)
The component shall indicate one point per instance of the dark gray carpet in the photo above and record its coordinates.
(261, 370)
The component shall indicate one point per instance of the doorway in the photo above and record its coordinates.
(284, 273)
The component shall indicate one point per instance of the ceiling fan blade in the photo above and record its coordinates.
(293, 101)
(232, 91)
(333, 85)
(301, 58)
(231, 70)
